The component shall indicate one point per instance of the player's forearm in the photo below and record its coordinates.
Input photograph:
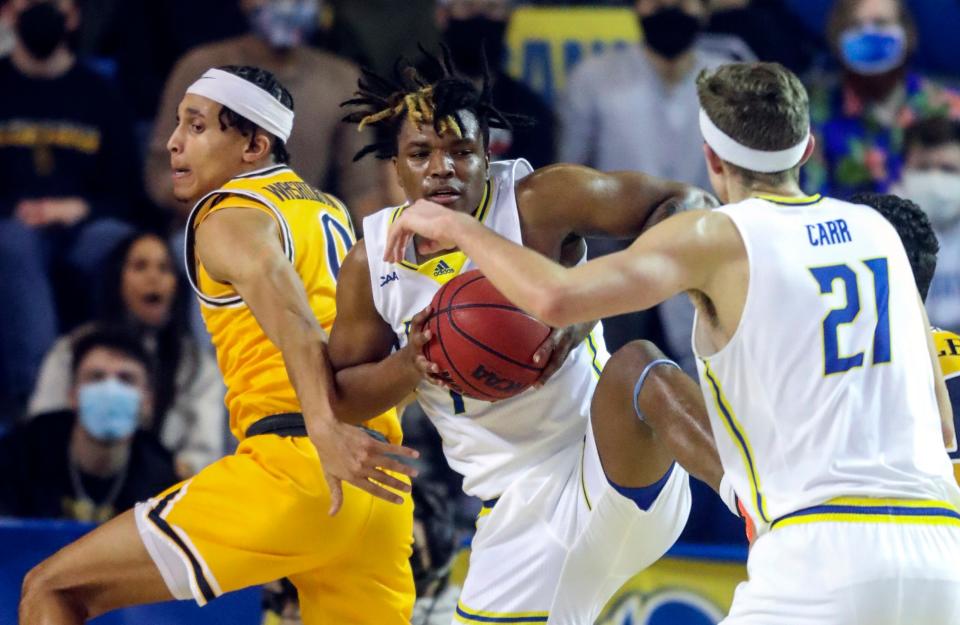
(556, 295)
(367, 390)
(303, 345)
(528, 279)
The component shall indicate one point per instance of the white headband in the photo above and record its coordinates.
(761, 161)
(246, 99)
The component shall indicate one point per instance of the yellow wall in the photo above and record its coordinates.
(544, 43)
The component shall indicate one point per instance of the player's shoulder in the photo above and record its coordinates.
(356, 259)
(947, 344)
(381, 219)
(376, 225)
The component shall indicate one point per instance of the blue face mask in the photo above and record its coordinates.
(109, 409)
(871, 50)
(285, 24)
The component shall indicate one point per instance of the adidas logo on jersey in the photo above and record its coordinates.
(442, 269)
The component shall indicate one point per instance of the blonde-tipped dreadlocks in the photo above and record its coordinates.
(385, 104)
(419, 107)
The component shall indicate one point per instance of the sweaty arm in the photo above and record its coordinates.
(679, 254)
(271, 288)
(587, 202)
(369, 379)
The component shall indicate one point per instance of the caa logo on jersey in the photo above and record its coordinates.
(387, 279)
(669, 607)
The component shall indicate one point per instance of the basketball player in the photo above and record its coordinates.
(570, 512)
(920, 242)
(263, 253)
(815, 360)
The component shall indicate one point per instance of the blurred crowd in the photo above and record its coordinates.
(108, 387)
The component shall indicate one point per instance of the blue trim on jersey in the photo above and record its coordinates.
(740, 438)
(469, 616)
(933, 510)
(593, 350)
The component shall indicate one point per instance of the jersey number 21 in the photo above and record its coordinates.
(827, 277)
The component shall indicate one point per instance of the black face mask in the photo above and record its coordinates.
(41, 28)
(670, 32)
(464, 38)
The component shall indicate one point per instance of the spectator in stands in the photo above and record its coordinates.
(472, 29)
(321, 148)
(859, 115)
(140, 41)
(68, 177)
(141, 291)
(89, 462)
(637, 108)
(374, 33)
(768, 28)
(931, 179)
(7, 37)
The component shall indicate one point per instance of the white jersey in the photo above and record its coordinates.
(826, 388)
(490, 444)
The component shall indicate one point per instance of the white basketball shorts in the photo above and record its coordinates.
(562, 540)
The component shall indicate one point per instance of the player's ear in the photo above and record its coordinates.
(257, 148)
(399, 178)
(808, 151)
(714, 162)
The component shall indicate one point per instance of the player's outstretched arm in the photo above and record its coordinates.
(679, 254)
(369, 378)
(272, 290)
(624, 204)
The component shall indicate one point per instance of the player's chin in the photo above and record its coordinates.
(183, 193)
(462, 205)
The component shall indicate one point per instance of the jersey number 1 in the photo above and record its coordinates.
(826, 277)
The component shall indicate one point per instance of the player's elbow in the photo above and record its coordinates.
(555, 306)
(346, 402)
(347, 411)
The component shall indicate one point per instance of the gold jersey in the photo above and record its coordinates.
(948, 349)
(316, 233)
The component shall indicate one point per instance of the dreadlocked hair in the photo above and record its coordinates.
(435, 95)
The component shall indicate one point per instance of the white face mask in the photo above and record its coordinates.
(936, 192)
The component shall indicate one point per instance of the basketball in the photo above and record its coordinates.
(483, 344)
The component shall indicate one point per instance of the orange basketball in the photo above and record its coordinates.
(483, 344)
